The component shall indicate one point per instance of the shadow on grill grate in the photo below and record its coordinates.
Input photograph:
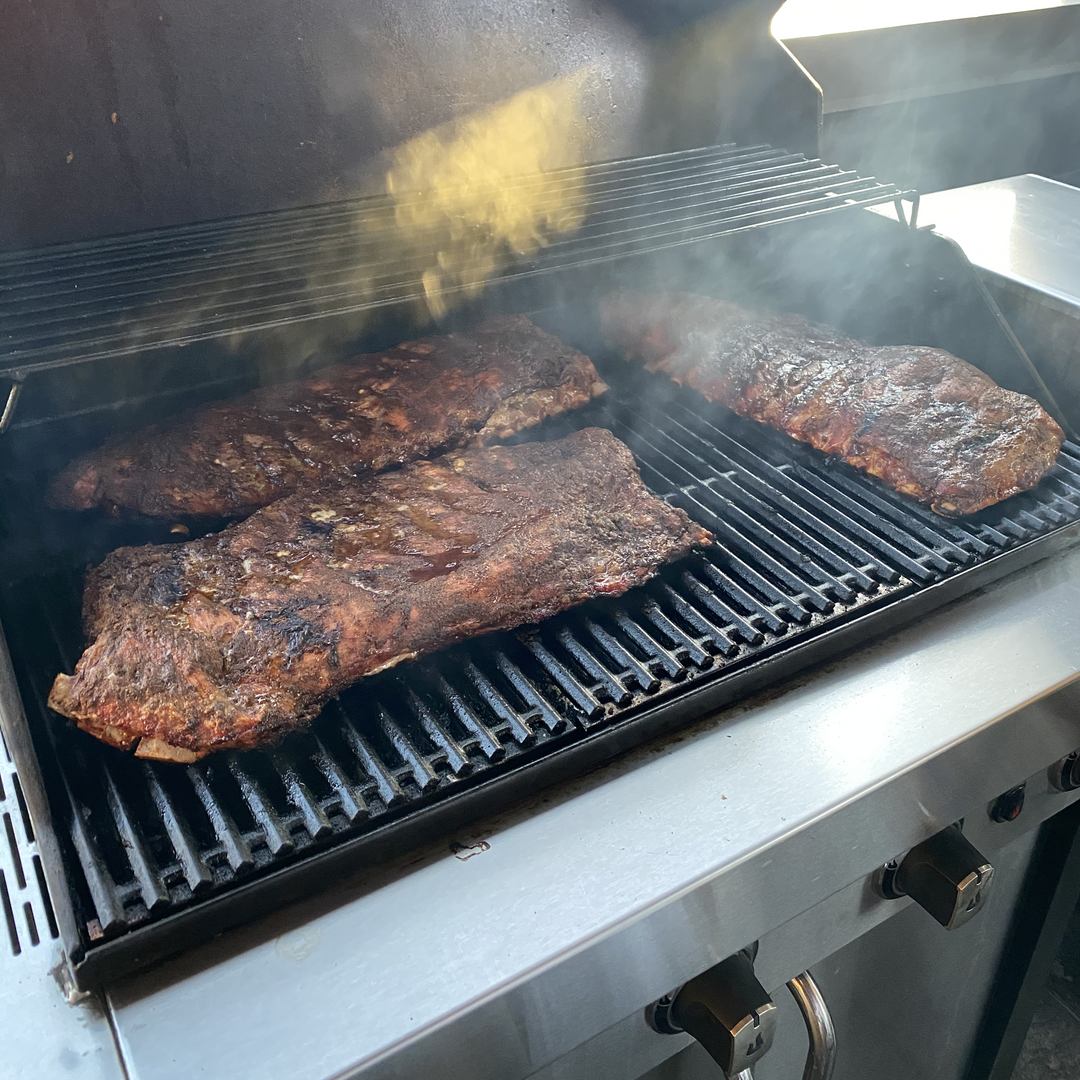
(804, 543)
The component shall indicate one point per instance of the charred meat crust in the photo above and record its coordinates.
(378, 410)
(926, 423)
(236, 638)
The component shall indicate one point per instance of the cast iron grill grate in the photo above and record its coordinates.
(804, 544)
(132, 294)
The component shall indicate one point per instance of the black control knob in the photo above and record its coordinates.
(1065, 774)
(1007, 807)
(726, 1009)
(946, 875)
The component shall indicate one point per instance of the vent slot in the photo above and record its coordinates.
(24, 895)
(46, 900)
(23, 812)
(31, 923)
(16, 860)
(9, 915)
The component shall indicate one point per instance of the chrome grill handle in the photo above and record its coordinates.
(821, 1057)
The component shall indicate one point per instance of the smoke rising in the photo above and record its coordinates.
(470, 197)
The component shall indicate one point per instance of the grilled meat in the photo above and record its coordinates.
(226, 460)
(930, 425)
(236, 638)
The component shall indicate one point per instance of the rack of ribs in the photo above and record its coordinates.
(928, 424)
(234, 639)
(228, 459)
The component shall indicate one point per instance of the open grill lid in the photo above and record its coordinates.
(141, 119)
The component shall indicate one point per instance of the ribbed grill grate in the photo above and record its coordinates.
(804, 543)
(78, 302)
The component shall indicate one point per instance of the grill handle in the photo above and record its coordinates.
(821, 1057)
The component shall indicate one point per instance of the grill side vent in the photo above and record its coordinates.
(24, 896)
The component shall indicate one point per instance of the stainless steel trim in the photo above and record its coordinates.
(44, 1033)
(884, 65)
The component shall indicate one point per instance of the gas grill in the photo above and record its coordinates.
(810, 557)
(137, 861)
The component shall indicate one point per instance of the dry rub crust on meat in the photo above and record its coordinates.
(237, 638)
(928, 424)
(228, 459)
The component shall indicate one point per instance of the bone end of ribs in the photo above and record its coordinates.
(927, 423)
(234, 639)
(228, 459)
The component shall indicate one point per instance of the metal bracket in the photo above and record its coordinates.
(912, 221)
(9, 406)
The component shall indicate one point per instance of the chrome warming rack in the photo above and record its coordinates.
(257, 275)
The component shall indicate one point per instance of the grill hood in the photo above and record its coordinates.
(121, 117)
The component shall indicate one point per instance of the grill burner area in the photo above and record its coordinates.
(804, 544)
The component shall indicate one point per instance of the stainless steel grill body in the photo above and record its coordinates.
(811, 557)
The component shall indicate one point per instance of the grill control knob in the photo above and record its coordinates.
(946, 875)
(726, 1009)
(1007, 807)
(1065, 774)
